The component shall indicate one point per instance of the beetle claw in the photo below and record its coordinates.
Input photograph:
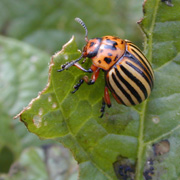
(101, 115)
(102, 108)
(59, 70)
(76, 86)
(74, 91)
(63, 67)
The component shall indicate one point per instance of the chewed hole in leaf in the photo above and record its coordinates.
(161, 148)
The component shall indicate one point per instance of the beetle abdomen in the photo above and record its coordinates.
(131, 79)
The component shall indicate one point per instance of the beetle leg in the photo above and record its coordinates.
(106, 101)
(102, 108)
(107, 97)
(82, 69)
(76, 87)
(94, 77)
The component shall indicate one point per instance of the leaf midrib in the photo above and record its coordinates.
(142, 114)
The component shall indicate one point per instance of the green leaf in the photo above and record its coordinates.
(162, 113)
(128, 142)
(73, 119)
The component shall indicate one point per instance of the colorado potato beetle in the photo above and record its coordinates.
(128, 74)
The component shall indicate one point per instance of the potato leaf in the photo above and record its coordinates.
(138, 142)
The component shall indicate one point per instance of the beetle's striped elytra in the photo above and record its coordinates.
(128, 74)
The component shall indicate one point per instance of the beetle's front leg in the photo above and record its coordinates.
(90, 70)
(94, 77)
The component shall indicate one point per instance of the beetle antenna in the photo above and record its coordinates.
(84, 26)
(69, 64)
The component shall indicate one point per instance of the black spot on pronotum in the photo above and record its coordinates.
(113, 48)
(116, 58)
(107, 60)
(110, 44)
(99, 61)
(95, 51)
(92, 54)
(115, 44)
(109, 41)
(91, 44)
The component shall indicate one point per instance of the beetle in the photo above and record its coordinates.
(128, 74)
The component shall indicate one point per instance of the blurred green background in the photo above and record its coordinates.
(31, 32)
(49, 24)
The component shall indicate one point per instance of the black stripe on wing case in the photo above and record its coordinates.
(111, 88)
(135, 80)
(136, 61)
(122, 89)
(140, 72)
(144, 60)
(129, 87)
